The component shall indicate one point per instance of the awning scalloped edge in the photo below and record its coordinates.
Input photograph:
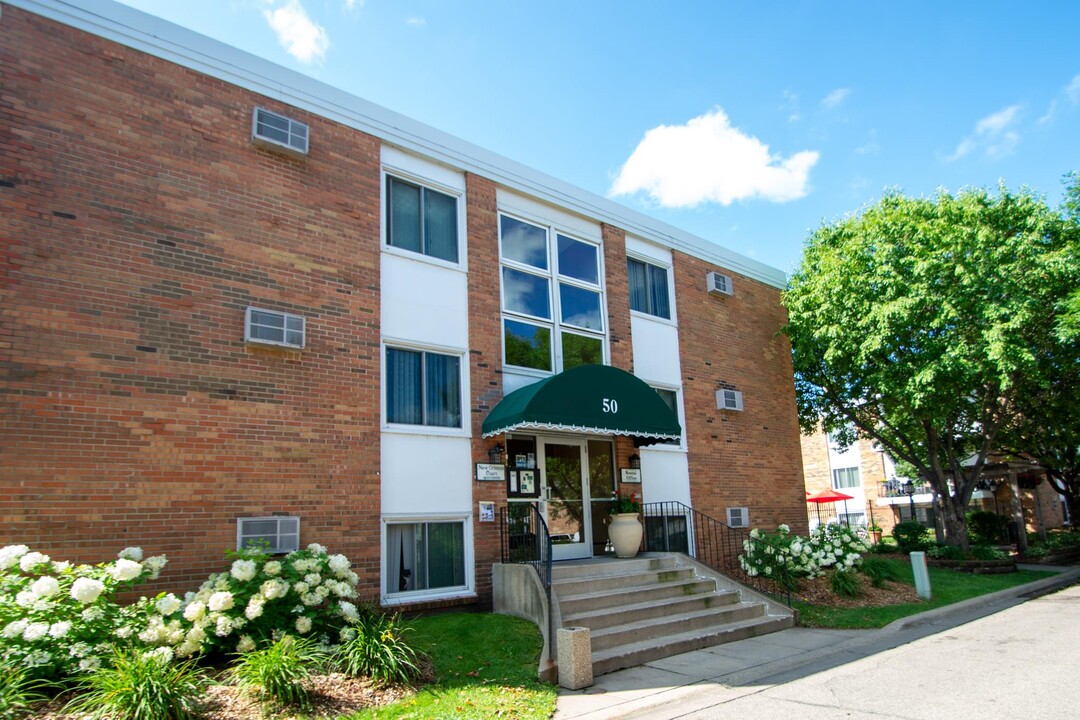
(558, 427)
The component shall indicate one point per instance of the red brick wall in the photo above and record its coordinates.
(750, 458)
(137, 223)
(485, 360)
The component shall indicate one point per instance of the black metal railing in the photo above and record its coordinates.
(674, 527)
(524, 539)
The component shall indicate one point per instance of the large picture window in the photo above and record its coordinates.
(421, 220)
(423, 388)
(552, 298)
(425, 556)
(648, 288)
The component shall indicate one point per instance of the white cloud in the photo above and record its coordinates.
(1048, 116)
(416, 21)
(709, 160)
(834, 98)
(871, 146)
(1072, 91)
(791, 106)
(301, 37)
(994, 135)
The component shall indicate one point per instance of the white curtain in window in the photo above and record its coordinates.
(400, 558)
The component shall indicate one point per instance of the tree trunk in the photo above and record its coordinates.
(953, 515)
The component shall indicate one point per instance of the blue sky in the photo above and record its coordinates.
(746, 123)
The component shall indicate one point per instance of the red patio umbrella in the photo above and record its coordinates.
(828, 496)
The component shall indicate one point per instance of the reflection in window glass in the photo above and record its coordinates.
(425, 556)
(580, 307)
(526, 293)
(527, 345)
(524, 243)
(578, 260)
(581, 350)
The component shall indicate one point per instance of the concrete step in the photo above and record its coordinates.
(707, 620)
(601, 567)
(596, 619)
(618, 597)
(605, 583)
(646, 650)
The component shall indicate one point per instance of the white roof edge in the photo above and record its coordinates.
(136, 29)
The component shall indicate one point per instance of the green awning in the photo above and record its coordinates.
(596, 399)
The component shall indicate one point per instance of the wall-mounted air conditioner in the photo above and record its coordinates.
(729, 400)
(718, 284)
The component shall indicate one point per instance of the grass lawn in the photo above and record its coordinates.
(946, 587)
(485, 667)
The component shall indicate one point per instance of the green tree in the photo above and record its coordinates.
(915, 319)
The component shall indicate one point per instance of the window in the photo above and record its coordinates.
(648, 288)
(278, 534)
(277, 130)
(738, 517)
(852, 519)
(421, 220)
(552, 300)
(671, 399)
(268, 327)
(845, 478)
(425, 556)
(423, 388)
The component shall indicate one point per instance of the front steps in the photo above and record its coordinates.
(649, 607)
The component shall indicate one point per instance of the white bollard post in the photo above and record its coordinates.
(575, 657)
(922, 575)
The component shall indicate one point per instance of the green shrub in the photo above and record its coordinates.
(985, 527)
(141, 685)
(910, 536)
(879, 570)
(376, 648)
(845, 583)
(985, 552)
(281, 671)
(19, 692)
(946, 552)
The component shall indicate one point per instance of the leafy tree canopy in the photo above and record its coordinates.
(916, 319)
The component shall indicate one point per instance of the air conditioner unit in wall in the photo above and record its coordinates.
(729, 400)
(278, 133)
(717, 284)
(738, 517)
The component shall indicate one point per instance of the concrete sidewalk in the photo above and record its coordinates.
(684, 684)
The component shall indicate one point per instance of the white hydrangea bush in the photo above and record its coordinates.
(59, 618)
(783, 557)
(308, 592)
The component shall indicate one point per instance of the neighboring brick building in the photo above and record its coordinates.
(869, 476)
(207, 337)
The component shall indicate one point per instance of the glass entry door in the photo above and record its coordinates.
(564, 470)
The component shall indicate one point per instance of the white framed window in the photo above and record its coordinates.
(552, 298)
(845, 478)
(426, 558)
(423, 388)
(670, 396)
(649, 288)
(276, 130)
(738, 517)
(270, 327)
(421, 220)
(278, 534)
(852, 519)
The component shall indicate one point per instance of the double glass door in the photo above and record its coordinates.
(577, 477)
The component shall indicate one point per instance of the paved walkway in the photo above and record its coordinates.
(994, 656)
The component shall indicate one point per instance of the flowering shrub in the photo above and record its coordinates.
(783, 557)
(259, 599)
(57, 618)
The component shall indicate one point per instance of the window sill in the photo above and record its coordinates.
(460, 266)
(418, 598)
(654, 318)
(429, 430)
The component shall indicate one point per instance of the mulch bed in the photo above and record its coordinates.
(332, 695)
(819, 592)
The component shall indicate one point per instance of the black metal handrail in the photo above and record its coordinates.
(524, 539)
(674, 527)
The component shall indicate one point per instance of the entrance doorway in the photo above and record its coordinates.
(577, 477)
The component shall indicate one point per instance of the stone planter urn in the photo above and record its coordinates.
(625, 532)
(875, 536)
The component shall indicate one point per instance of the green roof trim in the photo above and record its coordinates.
(596, 399)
